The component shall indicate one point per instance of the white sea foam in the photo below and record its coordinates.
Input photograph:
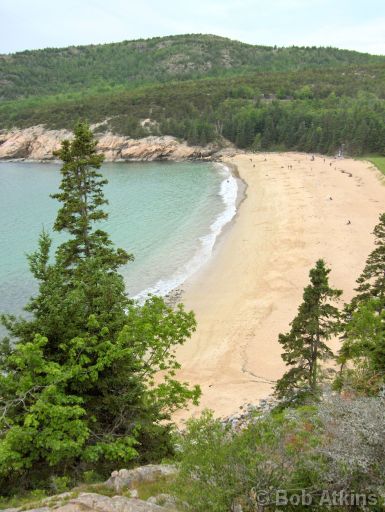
(228, 192)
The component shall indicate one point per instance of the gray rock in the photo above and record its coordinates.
(41, 509)
(51, 500)
(99, 503)
(130, 478)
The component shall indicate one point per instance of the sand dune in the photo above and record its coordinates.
(251, 288)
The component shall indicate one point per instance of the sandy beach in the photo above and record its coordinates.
(251, 288)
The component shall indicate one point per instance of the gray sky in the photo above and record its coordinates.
(353, 24)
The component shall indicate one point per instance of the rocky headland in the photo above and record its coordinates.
(37, 144)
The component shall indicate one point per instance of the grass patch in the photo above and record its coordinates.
(163, 485)
(24, 501)
(378, 161)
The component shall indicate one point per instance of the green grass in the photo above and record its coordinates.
(378, 161)
(31, 498)
(164, 485)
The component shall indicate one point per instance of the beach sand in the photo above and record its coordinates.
(250, 289)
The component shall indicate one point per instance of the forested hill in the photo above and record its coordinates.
(203, 89)
(129, 63)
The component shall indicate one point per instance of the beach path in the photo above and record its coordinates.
(295, 211)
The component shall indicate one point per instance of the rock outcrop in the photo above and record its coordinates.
(130, 478)
(37, 143)
(99, 503)
(249, 413)
(34, 143)
(124, 480)
(89, 501)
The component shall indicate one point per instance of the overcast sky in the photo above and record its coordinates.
(354, 24)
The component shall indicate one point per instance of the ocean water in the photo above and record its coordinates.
(167, 214)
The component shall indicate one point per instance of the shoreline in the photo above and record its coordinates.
(176, 295)
(250, 288)
(172, 287)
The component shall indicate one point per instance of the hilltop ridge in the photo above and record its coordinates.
(128, 63)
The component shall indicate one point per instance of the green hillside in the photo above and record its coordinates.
(52, 71)
(201, 89)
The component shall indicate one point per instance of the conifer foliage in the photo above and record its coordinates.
(305, 344)
(77, 377)
(82, 198)
(371, 283)
(364, 325)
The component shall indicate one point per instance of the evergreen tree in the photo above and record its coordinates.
(83, 280)
(364, 325)
(77, 383)
(304, 346)
(82, 198)
(371, 283)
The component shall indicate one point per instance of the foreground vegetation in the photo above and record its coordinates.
(297, 459)
(77, 388)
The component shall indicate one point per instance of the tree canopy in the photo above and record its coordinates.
(305, 344)
(87, 380)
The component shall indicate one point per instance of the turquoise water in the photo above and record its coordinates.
(167, 214)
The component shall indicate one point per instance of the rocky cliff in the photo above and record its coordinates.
(37, 143)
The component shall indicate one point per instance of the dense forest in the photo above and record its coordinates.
(203, 89)
(57, 70)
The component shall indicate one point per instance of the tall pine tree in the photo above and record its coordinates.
(89, 378)
(371, 283)
(305, 344)
(364, 325)
(82, 199)
(83, 280)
